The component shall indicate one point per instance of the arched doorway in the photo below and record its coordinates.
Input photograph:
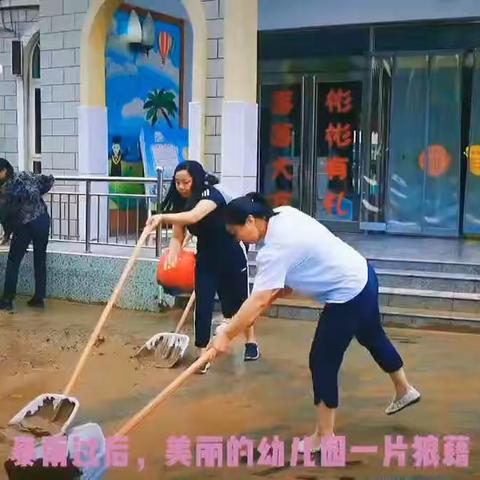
(93, 144)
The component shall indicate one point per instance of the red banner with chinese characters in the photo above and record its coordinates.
(277, 135)
(339, 106)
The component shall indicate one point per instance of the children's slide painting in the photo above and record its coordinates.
(162, 148)
(144, 74)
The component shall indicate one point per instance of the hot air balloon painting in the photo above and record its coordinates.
(165, 41)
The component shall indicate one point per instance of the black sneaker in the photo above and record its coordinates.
(251, 352)
(6, 305)
(36, 303)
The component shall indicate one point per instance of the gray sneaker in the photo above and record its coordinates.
(203, 369)
(410, 398)
(301, 448)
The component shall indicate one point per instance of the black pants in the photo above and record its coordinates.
(36, 232)
(338, 325)
(225, 274)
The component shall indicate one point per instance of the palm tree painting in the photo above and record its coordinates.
(160, 102)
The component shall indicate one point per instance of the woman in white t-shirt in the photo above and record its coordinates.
(298, 253)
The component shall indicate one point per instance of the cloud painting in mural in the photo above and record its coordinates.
(133, 109)
(114, 68)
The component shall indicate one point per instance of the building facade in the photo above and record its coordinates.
(369, 115)
(366, 118)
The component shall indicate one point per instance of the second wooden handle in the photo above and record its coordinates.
(106, 312)
(164, 394)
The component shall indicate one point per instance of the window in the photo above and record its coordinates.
(35, 110)
(36, 61)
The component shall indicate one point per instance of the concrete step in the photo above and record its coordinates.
(420, 280)
(431, 294)
(445, 317)
(426, 280)
(430, 299)
(415, 317)
(298, 308)
(457, 301)
(387, 263)
(425, 265)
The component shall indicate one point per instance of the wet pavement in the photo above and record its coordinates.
(38, 351)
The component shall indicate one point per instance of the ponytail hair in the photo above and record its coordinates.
(210, 179)
(253, 204)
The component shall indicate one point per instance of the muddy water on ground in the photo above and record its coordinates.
(38, 351)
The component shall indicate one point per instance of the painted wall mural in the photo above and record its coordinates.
(144, 81)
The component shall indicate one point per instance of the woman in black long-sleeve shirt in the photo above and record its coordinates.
(24, 213)
(194, 203)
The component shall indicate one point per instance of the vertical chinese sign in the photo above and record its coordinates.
(338, 145)
(280, 143)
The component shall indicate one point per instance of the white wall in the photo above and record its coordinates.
(279, 14)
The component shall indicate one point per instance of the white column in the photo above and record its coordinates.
(239, 147)
(195, 131)
(240, 110)
(93, 140)
(93, 160)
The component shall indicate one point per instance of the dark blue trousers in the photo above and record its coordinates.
(338, 325)
(225, 272)
(36, 232)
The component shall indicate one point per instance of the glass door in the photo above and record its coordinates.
(281, 136)
(310, 142)
(471, 214)
(424, 167)
(376, 144)
(336, 157)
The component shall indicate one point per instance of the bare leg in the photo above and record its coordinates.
(325, 425)
(250, 335)
(400, 383)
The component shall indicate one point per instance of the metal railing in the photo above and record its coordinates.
(84, 209)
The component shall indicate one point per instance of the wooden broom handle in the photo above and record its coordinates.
(107, 310)
(182, 320)
(191, 300)
(164, 394)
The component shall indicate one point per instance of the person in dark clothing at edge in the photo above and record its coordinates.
(24, 213)
(221, 263)
(7, 232)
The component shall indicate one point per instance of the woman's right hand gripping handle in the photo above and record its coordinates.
(172, 259)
